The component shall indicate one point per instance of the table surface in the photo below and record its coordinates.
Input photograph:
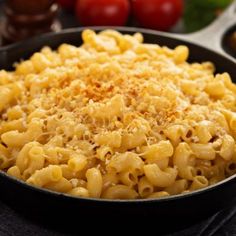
(13, 224)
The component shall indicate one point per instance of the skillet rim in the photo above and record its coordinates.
(6, 49)
(178, 37)
(120, 201)
(80, 29)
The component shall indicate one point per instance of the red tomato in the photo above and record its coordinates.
(67, 4)
(157, 14)
(103, 12)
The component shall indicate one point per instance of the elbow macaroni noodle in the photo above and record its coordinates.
(117, 118)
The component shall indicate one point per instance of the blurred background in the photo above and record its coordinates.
(22, 19)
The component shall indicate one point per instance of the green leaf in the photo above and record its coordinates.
(209, 4)
(200, 13)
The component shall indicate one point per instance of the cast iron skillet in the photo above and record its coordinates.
(174, 210)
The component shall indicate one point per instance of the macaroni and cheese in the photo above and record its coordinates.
(117, 118)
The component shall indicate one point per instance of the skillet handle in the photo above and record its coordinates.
(211, 37)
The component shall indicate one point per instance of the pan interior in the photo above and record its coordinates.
(197, 53)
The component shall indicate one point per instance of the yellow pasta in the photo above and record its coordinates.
(145, 188)
(5, 159)
(203, 131)
(79, 192)
(14, 171)
(111, 139)
(158, 153)
(120, 192)
(177, 187)
(199, 182)
(94, 182)
(126, 161)
(129, 178)
(47, 175)
(117, 118)
(77, 162)
(16, 138)
(227, 149)
(203, 151)
(159, 194)
(23, 159)
(183, 159)
(36, 161)
(158, 177)
(63, 185)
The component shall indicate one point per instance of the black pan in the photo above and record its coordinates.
(174, 210)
